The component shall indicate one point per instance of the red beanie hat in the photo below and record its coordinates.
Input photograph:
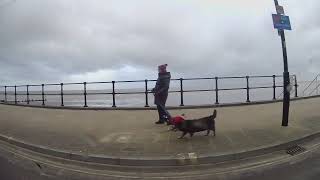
(163, 67)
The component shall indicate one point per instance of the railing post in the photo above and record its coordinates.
(248, 93)
(85, 94)
(146, 92)
(274, 87)
(42, 85)
(296, 86)
(61, 94)
(181, 92)
(317, 83)
(5, 94)
(113, 95)
(15, 94)
(28, 100)
(217, 90)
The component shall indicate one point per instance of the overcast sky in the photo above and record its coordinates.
(102, 40)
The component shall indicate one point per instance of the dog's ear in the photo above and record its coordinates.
(214, 113)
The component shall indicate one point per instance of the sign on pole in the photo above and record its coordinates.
(281, 22)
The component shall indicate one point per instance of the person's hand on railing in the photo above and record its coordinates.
(153, 91)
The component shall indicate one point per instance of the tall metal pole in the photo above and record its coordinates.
(286, 79)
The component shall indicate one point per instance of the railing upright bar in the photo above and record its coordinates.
(317, 86)
(42, 88)
(113, 95)
(303, 92)
(217, 90)
(28, 100)
(248, 88)
(296, 86)
(15, 94)
(5, 94)
(274, 87)
(61, 94)
(85, 94)
(146, 92)
(314, 90)
(181, 92)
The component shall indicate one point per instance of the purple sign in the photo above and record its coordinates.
(281, 22)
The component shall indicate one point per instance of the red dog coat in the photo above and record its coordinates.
(177, 120)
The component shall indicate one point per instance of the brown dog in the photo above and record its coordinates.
(198, 125)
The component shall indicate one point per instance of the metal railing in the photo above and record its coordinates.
(62, 93)
(314, 81)
(295, 84)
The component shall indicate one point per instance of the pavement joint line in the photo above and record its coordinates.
(163, 161)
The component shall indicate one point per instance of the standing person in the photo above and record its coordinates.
(160, 92)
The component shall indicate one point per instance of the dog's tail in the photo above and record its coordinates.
(210, 119)
(214, 114)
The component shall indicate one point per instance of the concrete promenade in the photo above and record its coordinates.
(132, 134)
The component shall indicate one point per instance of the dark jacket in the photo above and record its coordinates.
(162, 87)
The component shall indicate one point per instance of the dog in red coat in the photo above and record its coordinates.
(195, 125)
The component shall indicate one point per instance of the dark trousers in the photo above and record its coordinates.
(164, 115)
(160, 101)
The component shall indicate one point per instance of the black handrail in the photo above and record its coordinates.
(15, 94)
(85, 94)
(274, 87)
(181, 92)
(28, 102)
(248, 88)
(146, 92)
(217, 90)
(113, 95)
(5, 94)
(215, 81)
(61, 94)
(42, 89)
